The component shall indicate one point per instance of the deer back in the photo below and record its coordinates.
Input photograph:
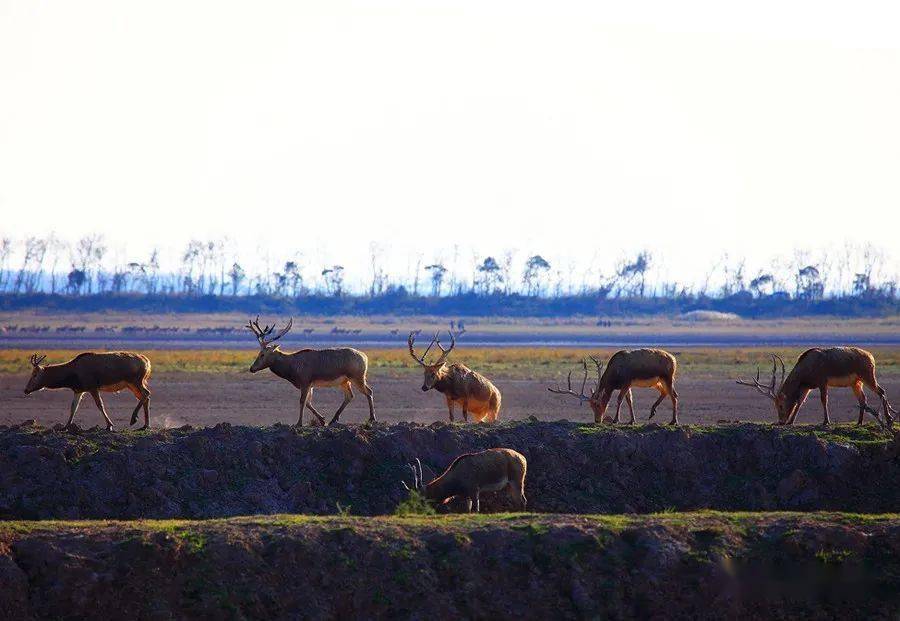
(472, 471)
(325, 365)
(626, 366)
(817, 365)
(461, 381)
(94, 370)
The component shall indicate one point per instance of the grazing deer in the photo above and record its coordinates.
(646, 368)
(458, 383)
(470, 474)
(312, 368)
(820, 368)
(93, 373)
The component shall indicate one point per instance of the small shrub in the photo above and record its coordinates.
(414, 504)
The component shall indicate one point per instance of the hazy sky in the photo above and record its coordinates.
(567, 128)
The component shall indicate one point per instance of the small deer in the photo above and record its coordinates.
(645, 368)
(470, 474)
(820, 368)
(458, 383)
(93, 373)
(312, 368)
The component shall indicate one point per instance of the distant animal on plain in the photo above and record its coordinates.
(468, 475)
(645, 368)
(824, 367)
(307, 369)
(459, 384)
(93, 373)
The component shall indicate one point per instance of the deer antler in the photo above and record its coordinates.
(418, 479)
(412, 352)
(763, 389)
(36, 360)
(262, 333)
(568, 391)
(445, 352)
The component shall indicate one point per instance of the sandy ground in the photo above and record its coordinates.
(202, 399)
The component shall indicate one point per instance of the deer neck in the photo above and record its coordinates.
(282, 365)
(56, 376)
(439, 489)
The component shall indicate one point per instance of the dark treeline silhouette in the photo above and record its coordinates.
(400, 302)
(49, 273)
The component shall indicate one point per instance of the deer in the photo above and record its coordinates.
(458, 383)
(823, 367)
(470, 474)
(645, 368)
(93, 373)
(306, 369)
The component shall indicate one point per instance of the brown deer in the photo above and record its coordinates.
(93, 373)
(820, 368)
(470, 474)
(646, 368)
(312, 368)
(458, 383)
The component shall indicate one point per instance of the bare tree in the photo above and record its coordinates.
(379, 278)
(535, 267)
(236, 275)
(333, 278)
(6, 248)
(437, 272)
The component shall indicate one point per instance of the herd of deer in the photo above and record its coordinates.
(495, 469)
(346, 368)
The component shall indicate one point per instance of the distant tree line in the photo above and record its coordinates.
(208, 276)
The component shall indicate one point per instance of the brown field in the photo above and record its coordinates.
(203, 388)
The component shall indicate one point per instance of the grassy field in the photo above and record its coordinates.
(511, 362)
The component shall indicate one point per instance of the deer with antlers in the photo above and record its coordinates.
(93, 373)
(646, 368)
(823, 368)
(306, 369)
(459, 384)
(468, 475)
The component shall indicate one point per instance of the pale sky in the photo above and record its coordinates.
(573, 129)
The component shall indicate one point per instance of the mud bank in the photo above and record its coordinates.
(279, 567)
(572, 468)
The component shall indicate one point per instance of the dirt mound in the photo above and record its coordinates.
(284, 567)
(572, 468)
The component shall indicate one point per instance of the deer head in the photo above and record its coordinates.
(35, 382)
(266, 348)
(778, 397)
(435, 370)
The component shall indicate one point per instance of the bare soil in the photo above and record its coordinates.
(206, 399)
(708, 566)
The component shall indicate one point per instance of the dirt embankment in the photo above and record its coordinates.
(227, 471)
(285, 567)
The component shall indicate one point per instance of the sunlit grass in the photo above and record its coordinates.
(511, 362)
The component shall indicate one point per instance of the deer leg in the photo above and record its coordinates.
(365, 389)
(873, 385)
(618, 405)
(469, 504)
(662, 395)
(348, 397)
(465, 408)
(100, 406)
(630, 402)
(450, 408)
(861, 399)
(823, 395)
(670, 388)
(796, 409)
(76, 399)
(309, 405)
(477, 501)
(305, 394)
(142, 393)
